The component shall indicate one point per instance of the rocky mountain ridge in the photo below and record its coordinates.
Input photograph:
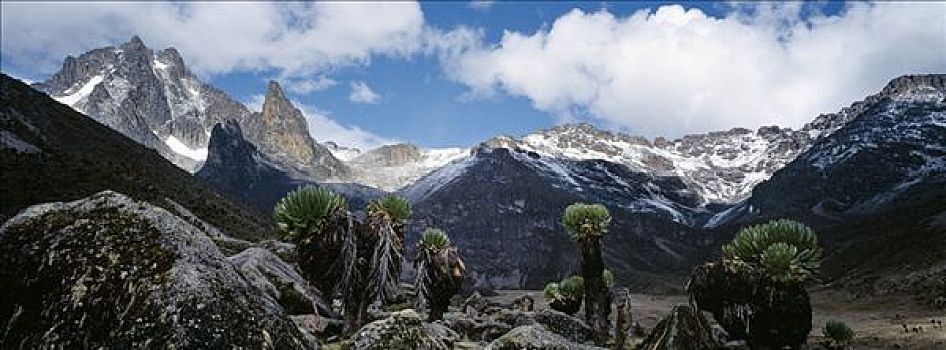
(502, 204)
(153, 98)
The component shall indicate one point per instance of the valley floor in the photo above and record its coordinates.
(876, 321)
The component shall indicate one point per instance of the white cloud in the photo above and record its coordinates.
(481, 5)
(307, 86)
(674, 71)
(362, 93)
(323, 129)
(295, 39)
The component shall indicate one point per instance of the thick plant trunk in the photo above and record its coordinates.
(354, 317)
(597, 297)
(436, 312)
(622, 327)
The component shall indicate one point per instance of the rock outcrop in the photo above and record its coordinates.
(534, 337)
(281, 132)
(683, 329)
(109, 271)
(401, 330)
(285, 289)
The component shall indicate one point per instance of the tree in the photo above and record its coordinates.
(757, 291)
(587, 223)
(440, 272)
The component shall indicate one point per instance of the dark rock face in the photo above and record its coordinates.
(75, 157)
(683, 329)
(235, 167)
(872, 189)
(109, 271)
(503, 212)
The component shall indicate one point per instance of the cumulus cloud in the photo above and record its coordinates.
(671, 70)
(362, 93)
(324, 129)
(294, 38)
(307, 86)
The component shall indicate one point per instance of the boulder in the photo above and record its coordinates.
(283, 286)
(285, 251)
(481, 329)
(572, 328)
(534, 337)
(682, 329)
(524, 303)
(108, 271)
(439, 330)
(475, 304)
(402, 330)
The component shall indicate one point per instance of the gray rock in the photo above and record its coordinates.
(682, 329)
(481, 329)
(402, 330)
(286, 290)
(572, 328)
(534, 337)
(439, 330)
(109, 271)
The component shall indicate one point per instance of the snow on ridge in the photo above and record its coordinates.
(198, 154)
(700, 160)
(391, 178)
(438, 178)
(72, 98)
(345, 154)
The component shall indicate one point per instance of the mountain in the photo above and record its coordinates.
(392, 167)
(281, 132)
(676, 200)
(50, 152)
(238, 169)
(875, 188)
(502, 208)
(154, 99)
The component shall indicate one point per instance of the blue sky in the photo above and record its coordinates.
(649, 68)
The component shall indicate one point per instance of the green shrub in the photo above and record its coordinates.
(785, 250)
(573, 287)
(838, 335)
(434, 239)
(303, 212)
(586, 220)
(395, 206)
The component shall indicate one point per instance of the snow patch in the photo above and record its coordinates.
(76, 95)
(198, 154)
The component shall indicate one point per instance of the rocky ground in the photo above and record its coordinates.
(112, 271)
(878, 322)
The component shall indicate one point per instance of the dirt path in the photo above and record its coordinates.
(877, 322)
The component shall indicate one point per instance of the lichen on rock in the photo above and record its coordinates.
(110, 271)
